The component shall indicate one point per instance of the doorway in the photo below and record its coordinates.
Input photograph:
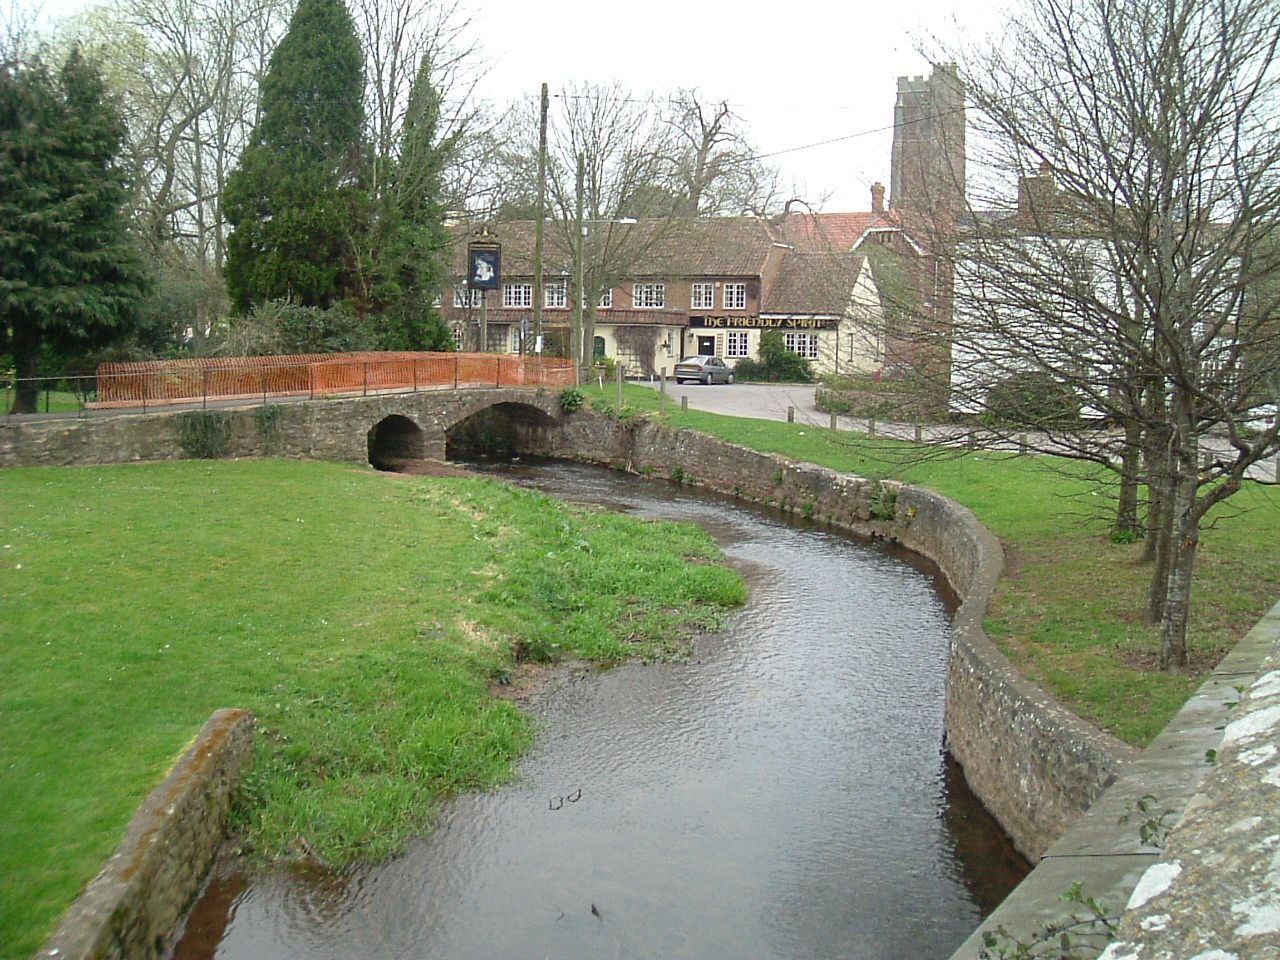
(706, 346)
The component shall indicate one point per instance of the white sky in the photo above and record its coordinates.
(797, 73)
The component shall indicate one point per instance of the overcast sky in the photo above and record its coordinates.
(798, 72)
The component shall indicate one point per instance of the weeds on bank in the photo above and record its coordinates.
(361, 617)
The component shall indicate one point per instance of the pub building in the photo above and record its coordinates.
(710, 285)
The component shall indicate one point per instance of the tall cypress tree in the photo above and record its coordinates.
(70, 274)
(297, 200)
(413, 247)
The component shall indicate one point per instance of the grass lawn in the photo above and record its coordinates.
(1068, 611)
(361, 616)
(48, 401)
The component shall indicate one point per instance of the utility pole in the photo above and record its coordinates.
(575, 335)
(538, 226)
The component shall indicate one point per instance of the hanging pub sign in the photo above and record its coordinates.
(765, 323)
(484, 263)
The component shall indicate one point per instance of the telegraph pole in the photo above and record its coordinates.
(537, 227)
(575, 334)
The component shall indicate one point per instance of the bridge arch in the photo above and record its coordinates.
(501, 428)
(395, 441)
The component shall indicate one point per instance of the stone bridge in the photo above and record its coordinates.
(385, 429)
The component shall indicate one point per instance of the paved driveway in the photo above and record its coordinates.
(760, 401)
(769, 401)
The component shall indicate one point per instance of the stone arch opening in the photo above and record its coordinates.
(500, 430)
(395, 442)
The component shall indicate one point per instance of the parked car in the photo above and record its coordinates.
(705, 369)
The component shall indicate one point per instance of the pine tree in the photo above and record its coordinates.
(297, 204)
(70, 274)
(413, 272)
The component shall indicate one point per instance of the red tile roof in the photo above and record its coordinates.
(819, 232)
(713, 246)
(813, 284)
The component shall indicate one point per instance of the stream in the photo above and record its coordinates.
(784, 793)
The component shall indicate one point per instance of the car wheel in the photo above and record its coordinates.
(706, 380)
(730, 380)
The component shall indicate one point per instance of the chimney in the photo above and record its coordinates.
(877, 198)
(1037, 200)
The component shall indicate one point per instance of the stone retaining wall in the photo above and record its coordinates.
(331, 429)
(129, 911)
(1033, 764)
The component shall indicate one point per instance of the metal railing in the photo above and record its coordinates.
(166, 384)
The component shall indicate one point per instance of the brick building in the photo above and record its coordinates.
(852, 292)
(693, 286)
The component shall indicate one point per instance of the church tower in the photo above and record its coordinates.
(927, 165)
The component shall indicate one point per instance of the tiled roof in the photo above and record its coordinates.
(714, 246)
(816, 284)
(819, 232)
(559, 318)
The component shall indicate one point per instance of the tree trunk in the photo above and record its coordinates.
(1126, 526)
(1183, 525)
(1165, 520)
(26, 358)
(1182, 560)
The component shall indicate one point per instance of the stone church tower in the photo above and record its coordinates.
(927, 164)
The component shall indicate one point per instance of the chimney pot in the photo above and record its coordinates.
(877, 198)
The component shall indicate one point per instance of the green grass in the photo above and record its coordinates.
(362, 617)
(48, 401)
(1068, 610)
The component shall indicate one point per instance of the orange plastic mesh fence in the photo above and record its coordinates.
(162, 382)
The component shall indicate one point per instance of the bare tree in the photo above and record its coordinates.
(717, 172)
(1125, 289)
(398, 36)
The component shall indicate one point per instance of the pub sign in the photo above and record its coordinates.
(484, 265)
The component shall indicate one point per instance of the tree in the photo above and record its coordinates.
(716, 172)
(70, 276)
(298, 196)
(1141, 135)
(407, 245)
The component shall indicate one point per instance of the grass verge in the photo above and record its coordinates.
(1068, 611)
(361, 617)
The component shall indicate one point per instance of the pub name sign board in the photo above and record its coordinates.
(765, 323)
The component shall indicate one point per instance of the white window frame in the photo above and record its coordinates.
(517, 295)
(702, 296)
(555, 295)
(606, 300)
(739, 299)
(649, 296)
(737, 344)
(460, 297)
(456, 332)
(803, 344)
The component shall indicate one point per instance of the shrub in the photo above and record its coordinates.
(204, 434)
(1032, 399)
(782, 365)
(571, 399)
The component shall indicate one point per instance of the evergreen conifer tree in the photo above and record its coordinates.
(70, 274)
(297, 204)
(414, 242)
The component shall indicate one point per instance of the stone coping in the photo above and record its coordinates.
(131, 909)
(1217, 883)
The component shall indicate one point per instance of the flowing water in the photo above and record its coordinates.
(783, 794)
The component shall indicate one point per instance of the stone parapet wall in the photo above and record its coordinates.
(1034, 764)
(130, 910)
(331, 429)
(1215, 891)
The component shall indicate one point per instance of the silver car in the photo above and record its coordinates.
(704, 369)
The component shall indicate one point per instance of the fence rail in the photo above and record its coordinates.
(158, 384)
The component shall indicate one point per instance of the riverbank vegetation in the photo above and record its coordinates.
(365, 619)
(1069, 609)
